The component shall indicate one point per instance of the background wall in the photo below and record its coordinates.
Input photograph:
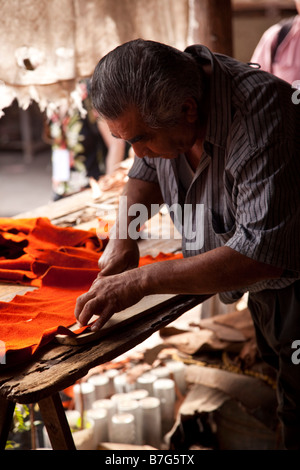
(249, 23)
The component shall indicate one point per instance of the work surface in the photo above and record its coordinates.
(57, 366)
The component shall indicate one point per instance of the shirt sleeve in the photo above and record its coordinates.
(143, 169)
(268, 208)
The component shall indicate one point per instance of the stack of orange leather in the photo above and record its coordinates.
(62, 263)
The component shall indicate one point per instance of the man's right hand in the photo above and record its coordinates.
(119, 256)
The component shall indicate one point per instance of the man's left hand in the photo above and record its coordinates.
(108, 295)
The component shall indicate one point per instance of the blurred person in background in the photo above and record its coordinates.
(83, 149)
(278, 50)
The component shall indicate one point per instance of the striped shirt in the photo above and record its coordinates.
(248, 179)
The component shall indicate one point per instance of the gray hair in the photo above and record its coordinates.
(153, 77)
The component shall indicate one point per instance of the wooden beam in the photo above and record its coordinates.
(55, 421)
(26, 135)
(57, 367)
(211, 25)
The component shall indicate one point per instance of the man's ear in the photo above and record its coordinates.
(190, 110)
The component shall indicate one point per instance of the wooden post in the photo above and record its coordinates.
(26, 135)
(55, 421)
(211, 25)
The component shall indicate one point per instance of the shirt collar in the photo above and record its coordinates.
(219, 119)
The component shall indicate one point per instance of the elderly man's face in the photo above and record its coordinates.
(146, 141)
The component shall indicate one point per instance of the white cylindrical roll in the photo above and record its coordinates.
(111, 374)
(101, 384)
(84, 395)
(138, 394)
(122, 429)
(164, 389)
(151, 418)
(107, 405)
(122, 385)
(161, 372)
(133, 407)
(99, 416)
(117, 397)
(146, 381)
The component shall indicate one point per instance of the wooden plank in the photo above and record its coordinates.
(66, 206)
(56, 367)
(9, 291)
(56, 423)
(211, 25)
(146, 306)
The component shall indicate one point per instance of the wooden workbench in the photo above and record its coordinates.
(56, 367)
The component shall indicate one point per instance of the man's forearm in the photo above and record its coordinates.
(219, 270)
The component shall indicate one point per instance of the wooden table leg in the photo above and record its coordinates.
(54, 418)
(6, 415)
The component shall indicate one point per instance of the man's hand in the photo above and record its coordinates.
(108, 295)
(118, 285)
(113, 290)
(119, 256)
